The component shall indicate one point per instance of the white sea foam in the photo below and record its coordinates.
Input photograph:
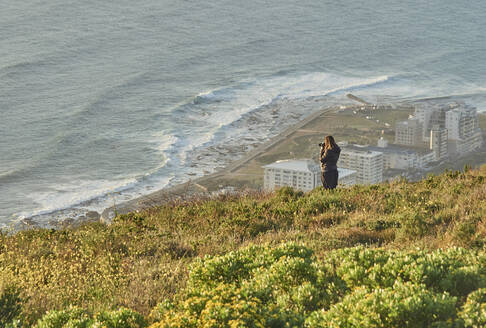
(61, 196)
(236, 101)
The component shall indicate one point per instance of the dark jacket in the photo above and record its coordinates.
(329, 159)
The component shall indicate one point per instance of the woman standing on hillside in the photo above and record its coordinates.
(329, 156)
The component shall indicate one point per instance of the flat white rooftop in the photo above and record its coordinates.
(360, 150)
(305, 165)
(301, 165)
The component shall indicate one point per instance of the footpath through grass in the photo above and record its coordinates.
(279, 259)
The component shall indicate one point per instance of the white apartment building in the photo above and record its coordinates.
(429, 117)
(409, 132)
(346, 177)
(302, 174)
(463, 130)
(469, 144)
(402, 157)
(438, 142)
(299, 174)
(423, 115)
(457, 122)
(461, 123)
(368, 164)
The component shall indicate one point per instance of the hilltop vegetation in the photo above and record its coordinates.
(368, 256)
(354, 287)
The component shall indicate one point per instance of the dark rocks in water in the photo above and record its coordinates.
(92, 216)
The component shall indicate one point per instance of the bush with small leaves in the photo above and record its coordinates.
(79, 318)
(473, 312)
(350, 287)
(455, 270)
(404, 305)
(16, 323)
(121, 318)
(254, 287)
(73, 317)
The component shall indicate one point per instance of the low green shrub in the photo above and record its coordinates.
(286, 286)
(401, 306)
(254, 287)
(455, 270)
(121, 318)
(473, 313)
(16, 323)
(75, 317)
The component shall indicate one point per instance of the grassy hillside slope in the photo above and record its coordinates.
(142, 260)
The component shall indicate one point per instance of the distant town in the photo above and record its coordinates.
(431, 135)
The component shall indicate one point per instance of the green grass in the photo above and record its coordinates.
(354, 128)
(144, 259)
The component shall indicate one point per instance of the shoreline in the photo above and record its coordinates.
(194, 186)
(246, 172)
(228, 175)
(222, 162)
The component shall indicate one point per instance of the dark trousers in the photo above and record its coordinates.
(329, 179)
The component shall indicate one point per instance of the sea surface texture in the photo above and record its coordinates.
(103, 101)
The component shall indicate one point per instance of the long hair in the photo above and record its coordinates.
(329, 143)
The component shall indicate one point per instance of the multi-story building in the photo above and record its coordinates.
(463, 129)
(430, 117)
(299, 174)
(438, 142)
(302, 174)
(423, 115)
(409, 132)
(456, 121)
(368, 164)
(347, 177)
(401, 157)
(461, 123)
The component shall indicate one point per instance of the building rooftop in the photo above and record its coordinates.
(390, 148)
(467, 110)
(301, 165)
(304, 165)
(400, 149)
(411, 121)
(363, 150)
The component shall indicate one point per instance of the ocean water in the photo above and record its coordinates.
(104, 101)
